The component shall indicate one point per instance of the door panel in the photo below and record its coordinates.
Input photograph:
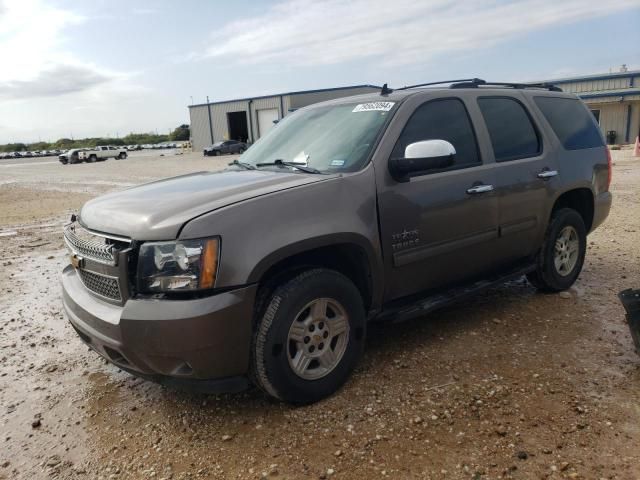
(434, 231)
(525, 175)
(437, 233)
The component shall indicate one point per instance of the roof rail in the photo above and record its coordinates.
(474, 83)
(418, 85)
(478, 82)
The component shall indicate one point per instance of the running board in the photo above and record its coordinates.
(403, 310)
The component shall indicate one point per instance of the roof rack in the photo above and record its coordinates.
(475, 83)
(418, 85)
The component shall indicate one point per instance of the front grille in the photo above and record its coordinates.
(107, 287)
(88, 245)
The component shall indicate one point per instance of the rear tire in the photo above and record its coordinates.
(562, 254)
(122, 156)
(309, 337)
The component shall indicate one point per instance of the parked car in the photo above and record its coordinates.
(101, 153)
(376, 207)
(228, 146)
(71, 156)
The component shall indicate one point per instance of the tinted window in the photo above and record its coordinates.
(441, 120)
(571, 122)
(510, 128)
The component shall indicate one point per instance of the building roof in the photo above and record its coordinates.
(597, 76)
(299, 92)
(621, 92)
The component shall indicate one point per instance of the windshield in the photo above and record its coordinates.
(328, 138)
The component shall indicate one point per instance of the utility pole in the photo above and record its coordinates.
(210, 124)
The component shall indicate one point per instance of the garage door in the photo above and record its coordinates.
(265, 120)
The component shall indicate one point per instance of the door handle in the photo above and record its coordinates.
(480, 189)
(547, 174)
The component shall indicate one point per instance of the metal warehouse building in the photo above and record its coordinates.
(247, 119)
(613, 98)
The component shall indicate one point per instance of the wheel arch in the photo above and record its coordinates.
(349, 254)
(580, 199)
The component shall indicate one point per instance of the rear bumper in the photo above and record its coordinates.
(601, 208)
(171, 341)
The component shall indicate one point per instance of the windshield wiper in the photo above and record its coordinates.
(245, 165)
(299, 166)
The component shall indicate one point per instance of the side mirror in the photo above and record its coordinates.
(420, 157)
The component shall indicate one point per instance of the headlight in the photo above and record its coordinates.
(183, 265)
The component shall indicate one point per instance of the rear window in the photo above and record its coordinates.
(571, 122)
(512, 134)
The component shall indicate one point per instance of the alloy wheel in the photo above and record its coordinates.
(566, 251)
(318, 338)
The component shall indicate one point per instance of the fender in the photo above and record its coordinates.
(373, 258)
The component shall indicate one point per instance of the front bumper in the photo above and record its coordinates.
(184, 340)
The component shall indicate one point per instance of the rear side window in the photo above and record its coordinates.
(512, 133)
(571, 122)
(445, 119)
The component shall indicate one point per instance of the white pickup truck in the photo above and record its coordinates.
(100, 153)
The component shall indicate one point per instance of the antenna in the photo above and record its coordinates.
(385, 90)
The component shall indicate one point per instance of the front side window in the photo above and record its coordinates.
(512, 133)
(445, 119)
(327, 138)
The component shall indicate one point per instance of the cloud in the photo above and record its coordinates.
(312, 32)
(35, 62)
(53, 81)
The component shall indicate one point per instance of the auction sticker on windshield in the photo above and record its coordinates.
(374, 106)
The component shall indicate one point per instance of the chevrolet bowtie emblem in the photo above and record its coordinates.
(76, 261)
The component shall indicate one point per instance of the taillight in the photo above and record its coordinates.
(609, 167)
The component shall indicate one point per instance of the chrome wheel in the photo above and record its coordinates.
(567, 249)
(318, 338)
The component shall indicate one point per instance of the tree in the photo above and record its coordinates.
(181, 133)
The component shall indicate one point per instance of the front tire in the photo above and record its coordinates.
(309, 337)
(92, 159)
(562, 255)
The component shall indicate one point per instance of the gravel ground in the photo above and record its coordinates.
(511, 384)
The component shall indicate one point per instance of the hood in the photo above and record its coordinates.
(158, 210)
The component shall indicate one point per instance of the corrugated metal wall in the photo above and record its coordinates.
(219, 118)
(614, 108)
(634, 131)
(615, 116)
(596, 85)
(200, 135)
(303, 99)
(264, 104)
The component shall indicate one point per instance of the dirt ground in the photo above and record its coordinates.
(512, 384)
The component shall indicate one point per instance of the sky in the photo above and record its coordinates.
(110, 67)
